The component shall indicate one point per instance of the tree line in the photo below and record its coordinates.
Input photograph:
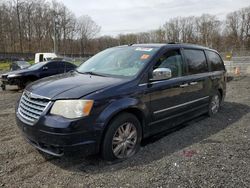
(41, 26)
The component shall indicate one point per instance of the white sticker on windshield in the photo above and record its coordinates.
(144, 49)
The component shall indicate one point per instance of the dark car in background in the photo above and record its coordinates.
(23, 77)
(16, 65)
(120, 96)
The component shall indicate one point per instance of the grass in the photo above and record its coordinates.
(4, 65)
(31, 62)
(77, 63)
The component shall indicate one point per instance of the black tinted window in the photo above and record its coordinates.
(69, 65)
(173, 61)
(215, 61)
(196, 61)
(52, 65)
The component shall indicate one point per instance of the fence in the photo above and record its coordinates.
(238, 65)
(31, 56)
(16, 56)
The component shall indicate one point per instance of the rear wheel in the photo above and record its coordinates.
(214, 104)
(123, 137)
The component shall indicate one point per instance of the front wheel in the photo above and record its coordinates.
(214, 104)
(123, 137)
(3, 87)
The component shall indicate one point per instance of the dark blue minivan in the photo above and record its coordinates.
(120, 96)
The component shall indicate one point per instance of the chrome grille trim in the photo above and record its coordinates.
(28, 117)
(31, 108)
(34, 102)
(31, 105)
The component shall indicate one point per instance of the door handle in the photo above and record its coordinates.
(193, 83)
(183, 85)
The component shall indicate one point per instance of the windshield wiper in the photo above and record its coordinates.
(93, 73)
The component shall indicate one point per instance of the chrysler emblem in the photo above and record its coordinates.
(28, 94)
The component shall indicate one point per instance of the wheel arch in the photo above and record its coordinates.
(221, 92)
(128, 105)
(132, 110)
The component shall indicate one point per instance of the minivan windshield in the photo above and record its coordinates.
(120, 61)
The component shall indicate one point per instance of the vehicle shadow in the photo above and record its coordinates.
(161, 145)
(11, 89)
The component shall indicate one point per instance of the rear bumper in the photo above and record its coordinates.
(59, 144)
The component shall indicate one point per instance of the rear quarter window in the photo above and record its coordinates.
(196, 61)
(215, 61)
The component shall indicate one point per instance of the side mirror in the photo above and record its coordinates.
(161, 74)
(45, 68)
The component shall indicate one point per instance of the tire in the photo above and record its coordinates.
(122, 138)
(3, 87)
(214, 104)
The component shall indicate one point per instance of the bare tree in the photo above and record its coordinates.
(188, 30)
(238, 28)
(208, 28)
(18, 6)
(157, 36)
(173, 30)
(28, 12)
(86, 29)
(28, 26)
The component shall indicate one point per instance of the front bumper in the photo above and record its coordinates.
(61, 141)
(3, 82)
(6, 81)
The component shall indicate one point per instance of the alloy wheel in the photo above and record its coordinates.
(215, 104)
(124, 140)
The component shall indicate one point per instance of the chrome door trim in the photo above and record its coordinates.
(194, 76)
(184, 85)
(180, 105)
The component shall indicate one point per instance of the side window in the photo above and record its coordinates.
(196, 61)
(215, 61)
(52, 65)
(41, 58)
(172, 60)
(61, 66)
(69, 66)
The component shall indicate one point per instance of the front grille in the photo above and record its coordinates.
(31, 107)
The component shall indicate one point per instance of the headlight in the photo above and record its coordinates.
(13, 75)
(72, 108)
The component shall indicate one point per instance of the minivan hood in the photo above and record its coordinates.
(71, 85)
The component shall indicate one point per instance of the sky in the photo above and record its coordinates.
(128, 16)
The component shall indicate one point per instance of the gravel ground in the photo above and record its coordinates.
(206, 152)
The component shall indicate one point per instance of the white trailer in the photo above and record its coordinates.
(40, 57)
